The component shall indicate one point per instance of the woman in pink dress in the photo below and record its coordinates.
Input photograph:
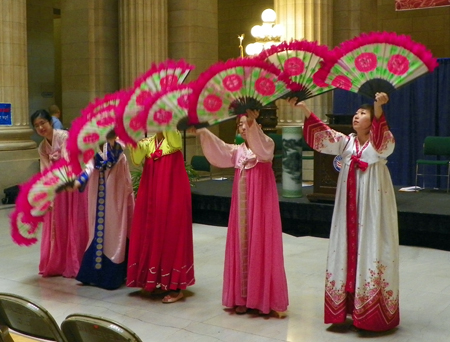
(254, 275)
(161, 253)
(362, 277)
(65, 232)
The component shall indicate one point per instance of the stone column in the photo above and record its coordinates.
(13, 73)
(89, 53)
(193, 36)
(142, 37)
(311, 20)
(18, 156)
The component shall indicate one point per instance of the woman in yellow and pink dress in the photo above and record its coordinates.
(161, 245)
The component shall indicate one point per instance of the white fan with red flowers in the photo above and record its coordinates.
(376, 62)
(229, 88)
(129, 125)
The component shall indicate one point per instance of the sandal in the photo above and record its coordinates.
(240, 310)
(169, 299)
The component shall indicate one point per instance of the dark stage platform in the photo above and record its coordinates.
(424, 217)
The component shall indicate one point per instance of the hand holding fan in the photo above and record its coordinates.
(376, 62)
(299, 60)
(164, 109)
(230, 88)
(129, 126)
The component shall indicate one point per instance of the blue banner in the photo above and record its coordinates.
(5, 114)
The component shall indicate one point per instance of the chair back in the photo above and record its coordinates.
(200, 163)
(30, 319)
(89, 328)
(437, 146)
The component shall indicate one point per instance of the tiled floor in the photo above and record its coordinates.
(200, 317)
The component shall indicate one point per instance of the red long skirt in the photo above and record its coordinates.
(161, 244)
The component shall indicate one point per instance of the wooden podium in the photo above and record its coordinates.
(325, 174)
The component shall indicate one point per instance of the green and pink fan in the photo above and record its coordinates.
(165, 109)
(23, 233)
(87, 133)
(129, 125)
(98, 104)
(376, 62)
(36, 197)
(229, 88)
(300, 61)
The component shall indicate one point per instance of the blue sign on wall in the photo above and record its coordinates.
(5, 114)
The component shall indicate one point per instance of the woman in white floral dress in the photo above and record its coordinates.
(362, 277)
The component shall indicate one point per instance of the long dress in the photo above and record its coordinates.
(362, 277)
(161, 242)
(111, 205)
(254, 274)
(65, 230)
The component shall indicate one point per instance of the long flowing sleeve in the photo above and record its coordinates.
(218, 153)
(322, 138)
(260, 144)
(381, 137)
(174, 140)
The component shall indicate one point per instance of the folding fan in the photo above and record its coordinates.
(164, 109)
(299, 60)
(376, 62)
(23, 233)
(230, 88)
(129, 126)
(87, 133)
(100, 103)
(36, 196)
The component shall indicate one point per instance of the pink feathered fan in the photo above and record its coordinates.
(36, 197)
(299, 60)
(129, 126)
(90, 129)
(230, 88)
(87, 133)
(165, 109)
(376, 62)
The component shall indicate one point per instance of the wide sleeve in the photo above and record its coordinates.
(139, 152)
(381, 137)
(218, 153)
(322, 138)
(260, 144)
(173, 139)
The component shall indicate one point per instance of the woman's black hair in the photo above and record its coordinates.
(41, 113)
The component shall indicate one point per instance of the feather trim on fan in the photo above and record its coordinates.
(100, 103)
(130, 127)
(23, 233)
(376, 62)
(230, 88)
(299, 60)
(36, 196)
(164, 109)
(87, 133)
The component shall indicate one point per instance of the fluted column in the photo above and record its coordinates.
(143, 37)
(193, 36)
(311, 20)
(13, 75)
